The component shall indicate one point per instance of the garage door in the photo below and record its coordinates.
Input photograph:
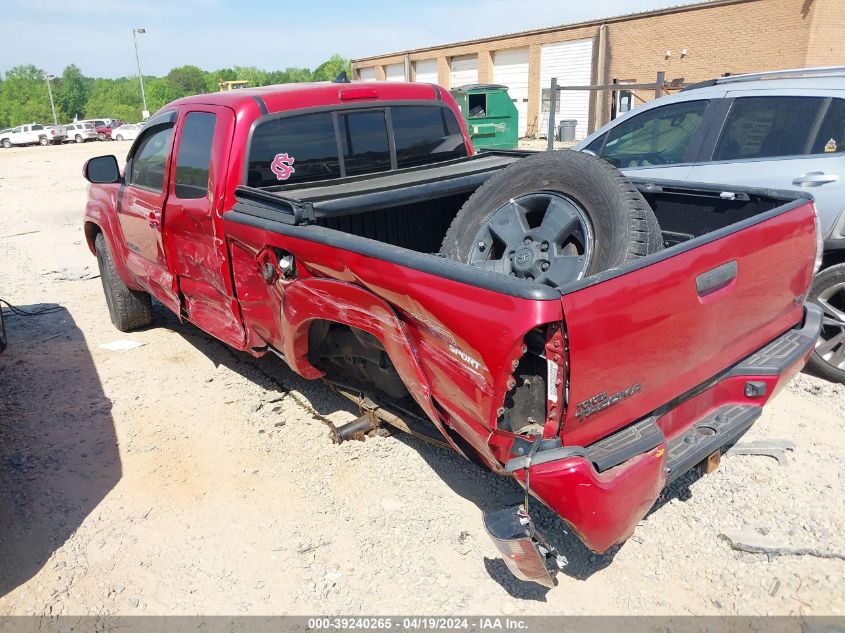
(571, 62)
(510, 68)
(394, 72)
(367, 74)
(464, 70)
(425, 71)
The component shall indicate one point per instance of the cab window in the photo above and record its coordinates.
(659, 136)
(765, 127)
(149, 161)
(194, 155)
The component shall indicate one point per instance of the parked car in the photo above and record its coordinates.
(126, 132)
(33, 134)
(552, 339)
(776, 130)
(81, 132)
(104, 130)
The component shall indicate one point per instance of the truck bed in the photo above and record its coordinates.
(412, 209)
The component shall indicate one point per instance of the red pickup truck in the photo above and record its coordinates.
(306, 221)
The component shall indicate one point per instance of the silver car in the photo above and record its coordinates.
(783, 130)
(81, 132)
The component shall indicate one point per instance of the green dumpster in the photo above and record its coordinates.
(490, 115)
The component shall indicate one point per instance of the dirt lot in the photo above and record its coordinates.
(180, 477)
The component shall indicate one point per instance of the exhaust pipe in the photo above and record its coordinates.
(355, 430)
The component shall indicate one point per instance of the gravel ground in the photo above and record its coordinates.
(180, 477)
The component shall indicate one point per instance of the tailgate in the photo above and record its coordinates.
(642, 338)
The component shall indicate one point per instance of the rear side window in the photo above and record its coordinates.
(194, 155)
(35, 128)
(763, 127)
(363, 136)
(328, 145)
(150, 159)
(424, 135)
(659, 136)
(308, 139)
(831, 136)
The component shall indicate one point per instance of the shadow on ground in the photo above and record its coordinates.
(58, 448)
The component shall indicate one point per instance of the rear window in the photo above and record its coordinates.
(327, 145)
(363, 136)
(309, 139)
(424, 135)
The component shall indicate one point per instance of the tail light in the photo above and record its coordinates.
(526, 553)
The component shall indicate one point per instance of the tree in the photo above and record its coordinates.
(23, 90)
(71, 92)
(188, 80)
(331, 68)
(160, 92)
(118, 98)
(24, 97)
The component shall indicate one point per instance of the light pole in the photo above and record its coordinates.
(135, 32)
(50, 92)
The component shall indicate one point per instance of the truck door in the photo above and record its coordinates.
(194, 246)
(140, 205)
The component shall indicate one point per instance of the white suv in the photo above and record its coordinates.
(81, 132)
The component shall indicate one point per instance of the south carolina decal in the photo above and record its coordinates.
(282, 166)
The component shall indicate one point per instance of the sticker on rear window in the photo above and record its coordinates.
(830, 146)
(282, 166)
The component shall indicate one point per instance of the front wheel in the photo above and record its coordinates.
(828, 292)
(129, 309)
(78, 139)
(7, 143)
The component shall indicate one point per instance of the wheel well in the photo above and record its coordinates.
(831, 258)
(91, 231)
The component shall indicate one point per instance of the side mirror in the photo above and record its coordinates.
(101, 169)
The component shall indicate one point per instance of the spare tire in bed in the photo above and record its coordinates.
(553, 218)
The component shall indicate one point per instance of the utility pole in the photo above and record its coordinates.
(50, 92)
(146, 113)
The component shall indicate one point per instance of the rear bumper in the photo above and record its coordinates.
(605, 489)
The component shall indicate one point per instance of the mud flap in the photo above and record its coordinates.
(527, 554)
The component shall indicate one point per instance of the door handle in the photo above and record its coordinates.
(814, 178)
(716, 278)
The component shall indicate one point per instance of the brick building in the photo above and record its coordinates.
(694, 42)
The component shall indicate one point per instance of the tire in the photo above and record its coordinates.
(129, 309)
(119, 137)
(43, 141)
(3, 339)
(553, 218)
(828, 292)
(7, 143)
(78, 139)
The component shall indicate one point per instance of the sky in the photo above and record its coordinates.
(96, 35)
